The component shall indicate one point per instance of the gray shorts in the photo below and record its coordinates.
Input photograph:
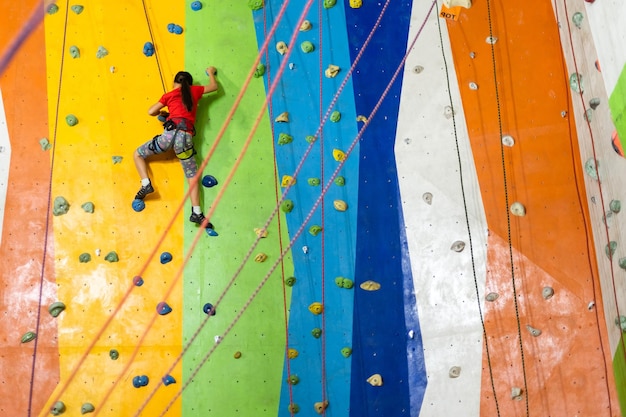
(180, 141)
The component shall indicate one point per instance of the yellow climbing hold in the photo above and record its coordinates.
(261, 257)
(260, 232)
(332, 71)
(339, 155)
(361, 118)
(340, 205)
(320, 406)
(305, 26)
(237, 355)
(281, 47)
(355, 4)
(375, 380)
(287, 181)
(292, 353)
(370, 286)
(316, 308)
(283, 117)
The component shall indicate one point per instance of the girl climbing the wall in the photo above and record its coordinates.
(182, 103)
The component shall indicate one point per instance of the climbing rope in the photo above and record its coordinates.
(467, 221)
(506, 200)
(601, 192)
(48, 211)
(156, 50)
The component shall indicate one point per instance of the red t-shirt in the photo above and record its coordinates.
(175, 106)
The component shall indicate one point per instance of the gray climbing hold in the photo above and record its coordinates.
(60, 207)
(458, 246)
(307, 47)
(621, 322)
(77, 8)
(516, 393)
(610, 248)
(58, 408)
(518, 209)
(84, 258)
(101, 52)
(578, 18)
(492, 296)
(535, 332)
(576, 82)
(591, 168)
(594, 103)
(112, 257)
(56, 308)
(335, 116)
(74, 51)
(45, 144)
(448, 112)
(88, 207)
(622, 263)
(87, 408)
(428, 198)
(116, 159)
(615, 206)
(454, 372)
(547, 292)
(52, 9)
(71, 120)
(588, 115)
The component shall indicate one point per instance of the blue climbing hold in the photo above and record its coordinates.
(148, 49)
(208, 308)
(170, 27)
(138, 205)
(136, 382)
(196, 5)
(211, 232)
(166, 257)
(163, 308)
(209, 181)
(174, 28)
(138, 281)
(168, 379)
(143, 380)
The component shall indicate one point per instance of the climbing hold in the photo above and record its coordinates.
(163, 308)
(361, 118)
(71, 120)
(260, 232)
(45, 144)
(255, 4)
(281, 47)
(535, 332)
(148, 49)
(340, 181)
(594, 103)
(52, 9)
(58, 408)
(287, 181)
(208, 308)
(355, 4)
(77, 8)
(101, 52)
(375, 380)
(588, 115)
(112, 257)
(56, 308)
(448, 112)
(140, 381)
(592, 167)
(335, 116)
(166, 257)
(290, 282)
(428, 198)
(370, 286)
(516, 393)
(307, 47)
(88, 207)
(315, 229)
(293, 408)
(492, 296)
(615, 206)
(473, 86)
(28, 337)
(314, 182)
(346, 352)
(293, 379)
(74, 52)
(547, 292)
(576, 82)
(260, 70)
(282, 118)
(454, 372)
(261, 257)
(507, 140)
(458, 246)
(284, 139)
(332, 71)
(316, 308)
(320, 406)
(418, 69)
(168, 380)
(610, 249)
(209, 181)
(237, 355)
(114, 354)
(84, 258)
(342, 282)
(196, 5)
(340, 205)
(310, 139)
(621, 322)
(305, 26)
(87, 408)
(286, 206)
(577, 19)
(518, 209)
(329, 3)
(338, 155)
(97, 251)
(174, 28)
(117, 159)
(138, 205)
(137, 281)
(316, 332)
(622, 263)
(491, 40)
(597, 64)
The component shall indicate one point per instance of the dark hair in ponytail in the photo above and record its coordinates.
(185, 80)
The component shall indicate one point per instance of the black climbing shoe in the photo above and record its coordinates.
(198, 219)
(144, 191)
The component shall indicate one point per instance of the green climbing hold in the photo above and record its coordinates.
(114, 354)
(622, 263)
(52, 9)
(284, 139)
(346, 352)
(87, 408)
(77, 8)
(112, 257)
(576, 82)
(101, 52)
(255, 4)
(290, 282)
(74, 51)
(28, 337)
(340, 181)
(310, 139)
(329, 3)
(577, 18)
(610, 249)
(335, 116)
(71, 120)
(316, 332)
(294, 408)
(61, 206)
(314, 181)
(348, 283)
(45, 144)
(339, 282)
(315, 230)
(615, 206)
(58, 408)
(84, 258)
(293, 380)
(117, 159)
(307, 47)
(286, 206)
(260, 70)
(88, 207)
(56, 308)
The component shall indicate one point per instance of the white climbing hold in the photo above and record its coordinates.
(516, 393)
(591, 305)
(98, 252)
(473, 86)
(507, 140)
(112, 69)
(518, 209)
(305, 249)
(491, 40)
(217, 338)
(428, 198)
(411, 334)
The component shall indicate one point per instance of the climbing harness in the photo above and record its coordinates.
(183, 148)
